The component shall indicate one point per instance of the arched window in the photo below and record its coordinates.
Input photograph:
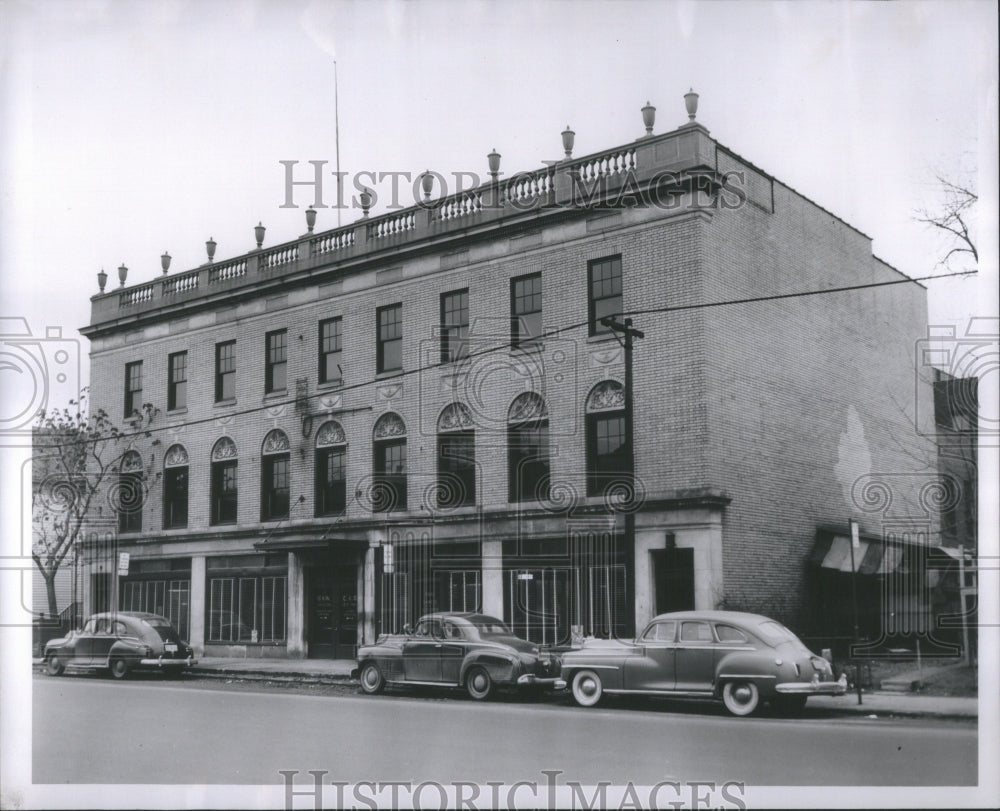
(130, 493)
(606, 447)
(456, 457)
(175, 488)
(528, 469)
(389, 464)
(331, 469)
(224, 482)
(275, 476)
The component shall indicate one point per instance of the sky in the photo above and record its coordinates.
(134, 128)
(129, 128)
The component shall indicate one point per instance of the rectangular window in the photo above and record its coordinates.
(331, 481)
(525, 309)
(175, 497)
(454, 325)
(225, 371)
(274, 487)
(177, 381)
(130, 492)
(246, 609)
(275, 370)
(224, 492)
(456, 469)
(390, 338)
(390, 476)
(605, 291)
(133, 387)
(168, 598)
(606, 452)
(330, 347)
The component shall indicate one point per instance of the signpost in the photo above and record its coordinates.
(855, 545)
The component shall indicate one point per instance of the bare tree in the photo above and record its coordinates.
(73, 457)
(953, 216)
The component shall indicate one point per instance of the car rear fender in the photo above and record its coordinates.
(502, 667)
(754, 666)
(130, 649)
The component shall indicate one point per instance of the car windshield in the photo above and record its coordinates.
(489, 625)
(773, 632)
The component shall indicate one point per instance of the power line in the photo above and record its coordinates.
(511, 345)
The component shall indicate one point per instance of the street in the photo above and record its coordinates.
(93, 730)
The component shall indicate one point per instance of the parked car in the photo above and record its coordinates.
(743, 659)
(474, 651)
(120, 641)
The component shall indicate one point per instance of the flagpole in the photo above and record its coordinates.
(336, 119)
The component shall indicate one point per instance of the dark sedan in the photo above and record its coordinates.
(474, 651)
(743, 659)
(120, 642)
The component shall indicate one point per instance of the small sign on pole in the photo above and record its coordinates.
(855, 535)
(525, 576)
(123, 563)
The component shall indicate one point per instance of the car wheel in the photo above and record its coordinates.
(587, 688)
(371, 678)
(741, 697)
(790, 705)
(478, 683)
(119, 668)
(54, 666)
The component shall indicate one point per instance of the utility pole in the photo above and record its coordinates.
(628, 337)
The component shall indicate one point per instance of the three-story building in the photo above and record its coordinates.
(424, 410)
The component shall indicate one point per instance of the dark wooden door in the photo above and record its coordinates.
(332, 605)
(673, 573)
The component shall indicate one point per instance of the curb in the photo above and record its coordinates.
(261, 675)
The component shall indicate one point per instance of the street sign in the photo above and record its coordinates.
(123, 564)
(855, 535)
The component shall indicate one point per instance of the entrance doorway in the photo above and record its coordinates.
(673, 574)
(332, 601)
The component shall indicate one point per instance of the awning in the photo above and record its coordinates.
(874, 556)
(871, 557)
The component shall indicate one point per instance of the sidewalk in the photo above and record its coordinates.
(324, 671)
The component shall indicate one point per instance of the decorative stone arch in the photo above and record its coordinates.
(176, 456)
(131, 462)
(527, 407)
(454, 417)
(608, 395)
(389, 426)
(276, 441)
(224, 449)
(330, 435)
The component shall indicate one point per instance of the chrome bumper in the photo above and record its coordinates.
(531, 680)
(161, 662)
(814, 687)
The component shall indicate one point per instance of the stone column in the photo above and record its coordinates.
(198, 604)
(368, 595)
(296, 608)
(493, 578)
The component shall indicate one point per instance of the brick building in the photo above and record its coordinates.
(423, 410)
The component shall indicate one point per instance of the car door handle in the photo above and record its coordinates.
(437, 644)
